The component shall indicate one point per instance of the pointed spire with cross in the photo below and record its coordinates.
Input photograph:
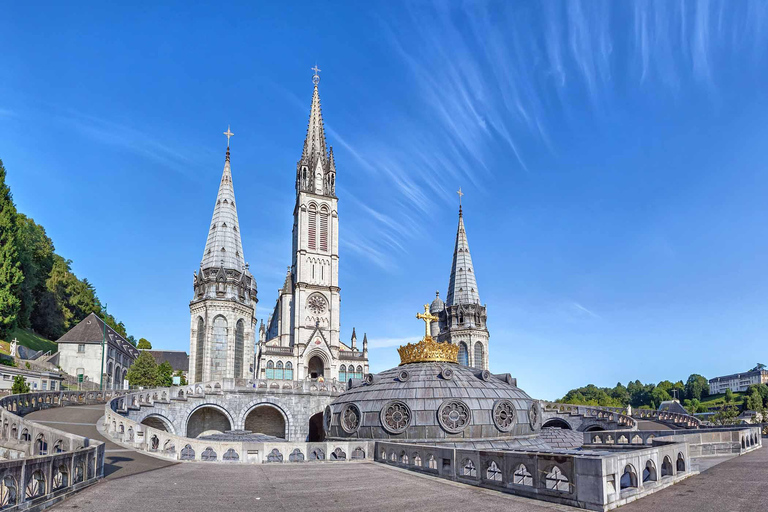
(460, 195)
(316, 78)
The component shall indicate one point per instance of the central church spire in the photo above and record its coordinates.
(462, 287)
(316, 170)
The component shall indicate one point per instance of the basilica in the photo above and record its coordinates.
(302, 337)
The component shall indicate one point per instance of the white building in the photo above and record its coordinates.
(738, 381)
(38, 381)
(81, 353)
(301, 339)
(221, 342)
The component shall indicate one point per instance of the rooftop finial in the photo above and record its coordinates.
(229, 134)
(460, 194)
(316, 78)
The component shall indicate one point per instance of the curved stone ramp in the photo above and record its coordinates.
(81, 420)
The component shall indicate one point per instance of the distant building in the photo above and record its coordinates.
(672, 406)
(37, 380)
(738, 381)
(80, 353)
(178, 359)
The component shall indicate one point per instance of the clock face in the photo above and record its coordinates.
(316, 304)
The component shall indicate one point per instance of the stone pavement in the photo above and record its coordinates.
(81, 420)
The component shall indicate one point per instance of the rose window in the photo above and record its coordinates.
(454, 416)
(504, 415)
(350, 418)
(395, 417)
(316, 304)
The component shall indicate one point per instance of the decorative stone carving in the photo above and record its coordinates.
(534, 416)
(350, 418)
(395, 417)
(446, 373)
(504, 415)
(369, 378)
(403, 376)
(485, 375)
(317, 304)
(454, 416)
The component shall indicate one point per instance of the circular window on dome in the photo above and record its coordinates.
(454, 416)
(534, 416)
(327, 415)
(504, 415)
(403, 376)
(350, 418)
(395, 417)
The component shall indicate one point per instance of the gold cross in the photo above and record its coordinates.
(460, 194)
(228, 133)
(316, 78)
(428, 318)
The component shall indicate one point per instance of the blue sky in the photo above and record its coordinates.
(612, 155)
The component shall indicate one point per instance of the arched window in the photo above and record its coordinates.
(680, 463)
(312, 226)
(270, 370)
(288, 371)
(343, 373)
(359, 372)
(239, 348)
(522, 476)
(199, 348)
(629, 478)
(463, 354)
(479, 362)
(649, 473)
(556, 480)
(279, 371)
(219, 348)
(324, 229)
(666, 467)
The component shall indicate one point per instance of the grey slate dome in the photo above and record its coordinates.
(437, 305)
(436, 402)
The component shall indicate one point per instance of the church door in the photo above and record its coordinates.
(316, 367)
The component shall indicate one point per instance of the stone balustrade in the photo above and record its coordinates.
(613, 415)
(677, 419)
(595, 481)
(45, 464)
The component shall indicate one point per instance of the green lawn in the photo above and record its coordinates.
(29, 340)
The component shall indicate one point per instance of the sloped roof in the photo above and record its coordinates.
(178, 359)
(93, 329)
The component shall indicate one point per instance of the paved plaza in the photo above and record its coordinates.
(136, 482)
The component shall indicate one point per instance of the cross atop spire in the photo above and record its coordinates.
(316, 78)
(460, 195)
(229, 134)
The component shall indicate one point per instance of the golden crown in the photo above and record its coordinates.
(428, 349)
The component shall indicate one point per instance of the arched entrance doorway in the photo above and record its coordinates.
(316, 430)
(557, 423)
(316, 367)
(265, 419)
(207, 420)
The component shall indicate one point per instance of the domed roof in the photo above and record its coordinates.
(437, 305)
(436, 402)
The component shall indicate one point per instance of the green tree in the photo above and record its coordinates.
(728, 396)
(144, 344)
(754, 401)
(165, 374)
(36, 257)
(180, 374)
(143, 372)
(11, 275)
(726, 415)
(19, 385)
(130, 339)
(696, 387)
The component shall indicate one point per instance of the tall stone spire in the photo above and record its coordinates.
(224, 246)
(316, 170)
(462, 288)
(314, 144)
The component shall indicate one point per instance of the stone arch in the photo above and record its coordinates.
(478, 354)
(219, 347)
(316, 429)
(628, 477)
(159, 422)
(317, 362)
(594, 428)
(199, 350)
(649, 473)
(557, 423)
(266, 418)
(666, 467)
(463, 357)
(680, 462)
(206, 417)
(239, 347)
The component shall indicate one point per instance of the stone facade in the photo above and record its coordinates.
(462, 319)
(302, 336)
(222, 321)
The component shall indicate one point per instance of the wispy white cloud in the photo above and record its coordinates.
(584, 311)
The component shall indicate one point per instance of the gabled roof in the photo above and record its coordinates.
(93, 329)
(462, 287)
